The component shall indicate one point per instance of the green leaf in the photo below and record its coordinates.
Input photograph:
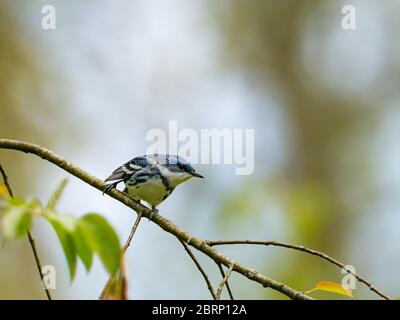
(102, 239)
(17, 218)
(55, 197)
(85, 236)
(82, 247)
(64, 227)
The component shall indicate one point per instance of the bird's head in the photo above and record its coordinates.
(177, 170)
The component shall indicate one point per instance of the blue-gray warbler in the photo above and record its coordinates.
(152, 178)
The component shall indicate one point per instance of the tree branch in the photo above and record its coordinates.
(221, 269)
(224, 281)
(197, 263)
(30, 237)
(303, 249)
(162, 222)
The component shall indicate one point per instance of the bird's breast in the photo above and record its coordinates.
(153, 191)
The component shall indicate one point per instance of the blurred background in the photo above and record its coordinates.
(323, 101)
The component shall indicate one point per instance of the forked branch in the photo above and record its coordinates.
(307, 250)
(162, 222)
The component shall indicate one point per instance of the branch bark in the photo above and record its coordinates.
(162, 222)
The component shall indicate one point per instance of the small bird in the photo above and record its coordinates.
(152, 178)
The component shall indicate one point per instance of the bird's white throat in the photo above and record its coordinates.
(175, 178)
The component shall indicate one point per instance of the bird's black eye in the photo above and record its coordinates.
(183, 166)
(189, 168)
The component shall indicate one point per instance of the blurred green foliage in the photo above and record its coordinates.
(329, 131)
(79, 237)
(265, 38)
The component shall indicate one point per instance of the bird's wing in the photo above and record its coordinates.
(128, 169)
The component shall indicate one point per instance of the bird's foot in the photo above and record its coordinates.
(152, 213)
(108, 188)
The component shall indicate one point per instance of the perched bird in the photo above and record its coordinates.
(152, 178)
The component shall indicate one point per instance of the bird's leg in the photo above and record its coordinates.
(153, 211)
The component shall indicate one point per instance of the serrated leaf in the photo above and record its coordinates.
(102, 239)
(16, 219)
(64, 227)
(82, 247)
(331, 287)
(55, 197)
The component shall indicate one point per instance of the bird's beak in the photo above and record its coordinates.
(195, 174)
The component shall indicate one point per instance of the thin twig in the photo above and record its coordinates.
(123, 280)
(133, 230)
(224, 281)
(37, 261)
(303, 249)
(159, 220)
(203, 273)
(221, 269)
(30, 237)
(5, 181)
(124, 248)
